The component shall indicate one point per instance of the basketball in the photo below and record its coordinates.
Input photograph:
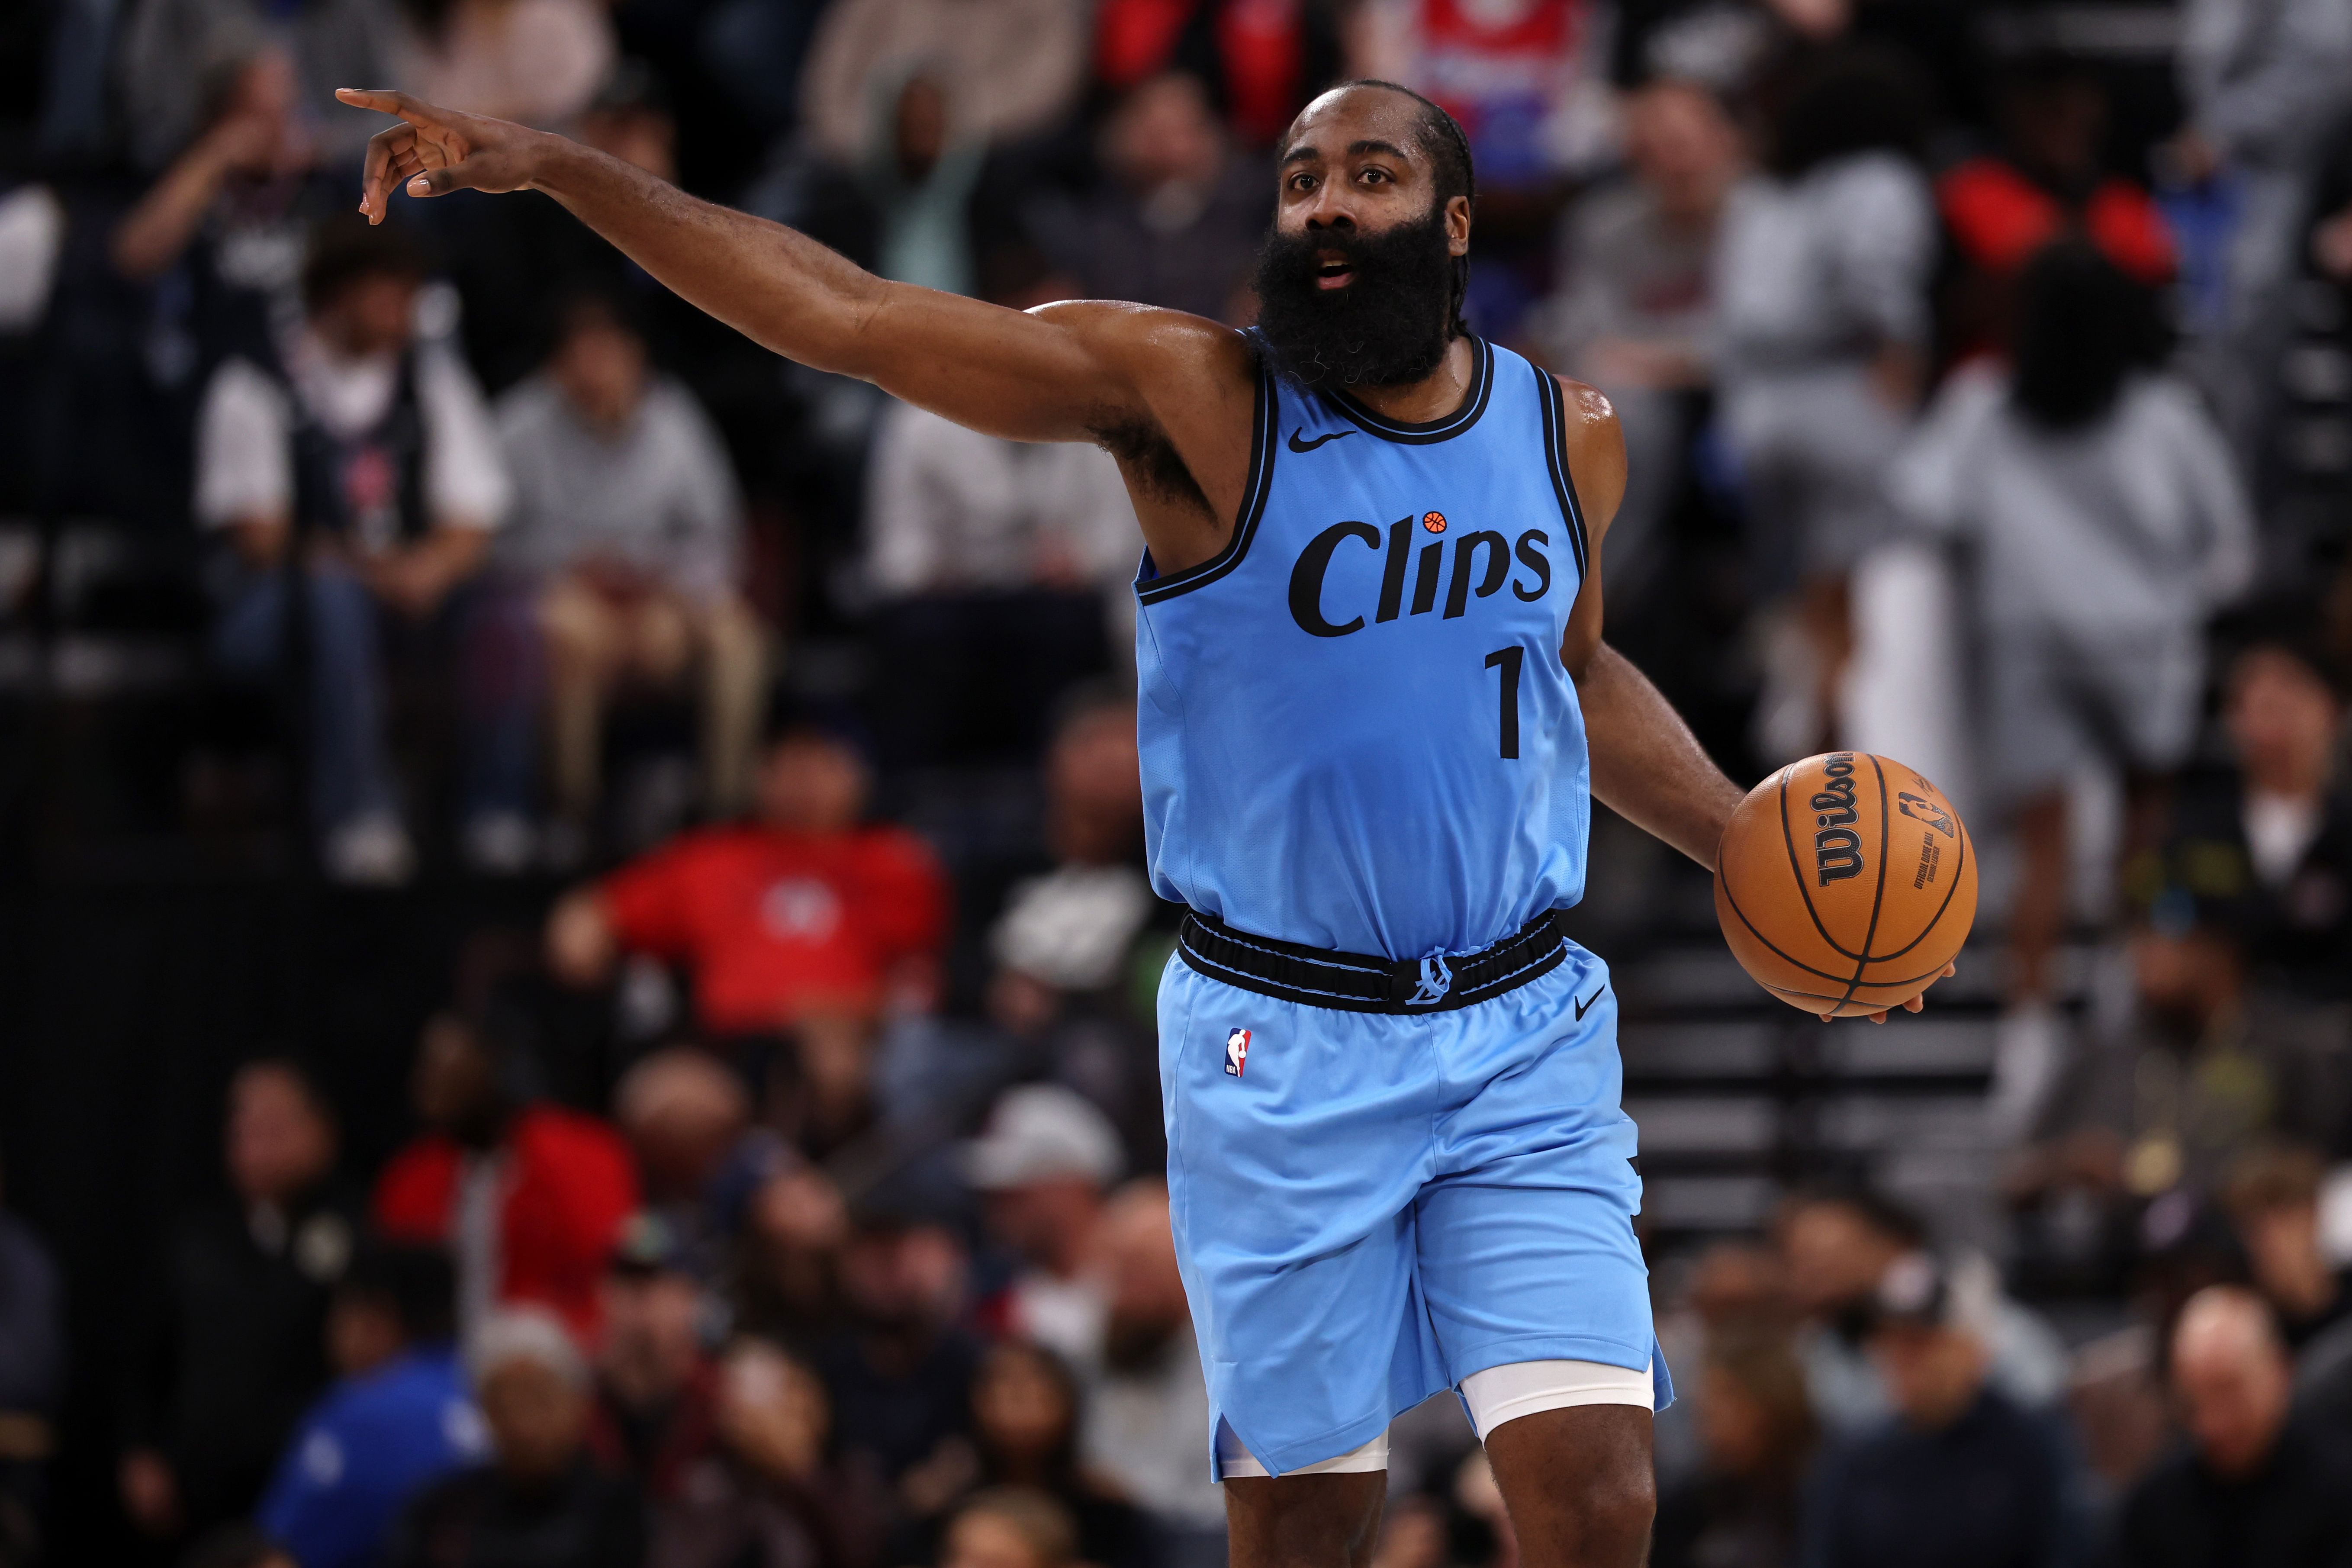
(1845, 883)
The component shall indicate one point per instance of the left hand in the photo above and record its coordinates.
(1912, 1005)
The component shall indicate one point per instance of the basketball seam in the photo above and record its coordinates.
(1878, 893)
(1960, 843)
(1798, 871)
(1787, 957)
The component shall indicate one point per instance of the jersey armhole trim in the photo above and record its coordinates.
(1254, 493)
(1555, 424)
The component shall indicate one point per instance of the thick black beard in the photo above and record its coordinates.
(1390, 325)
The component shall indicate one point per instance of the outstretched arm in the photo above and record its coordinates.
(1066, 374)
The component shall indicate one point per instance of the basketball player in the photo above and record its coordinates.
(1370, 651)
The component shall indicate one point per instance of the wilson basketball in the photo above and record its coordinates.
(1845, 883)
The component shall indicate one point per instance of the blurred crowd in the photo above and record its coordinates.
(1987, 376)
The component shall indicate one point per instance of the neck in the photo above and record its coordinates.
(1433, 396)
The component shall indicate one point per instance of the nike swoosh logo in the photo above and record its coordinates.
(1298, 446)
(1588, 1001)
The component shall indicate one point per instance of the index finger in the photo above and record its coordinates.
(385, 102)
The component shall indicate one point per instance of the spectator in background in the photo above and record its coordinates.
(1025, 1414)
(2264, 83)
(899, 1373)
(1043, 1165)
(539, 1503)
(1259, 63)
(769, 1495)
(371, 453)
(1146, 1418)
(1757, 1431)
(999, 564)
(1820, 295)
(537, 62)
(2046, 181)
(2254, 1484)
(656, 1390)
(177, 59)
(398, 1418)
(230, 215)
(806, 921)
(1178, 222)
(2272, 831)
(787, 1275)
(1015, 66)
(528, 1198)
(703, 1164)
(627, 524)
(1840, 1247)
(2271, 1196)
(32, 1380)
(1960, 1476)
(233, 1347)
(1010, 1527)
(1633, 314)
(2106, 524)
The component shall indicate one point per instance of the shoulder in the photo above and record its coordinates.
(242, 387)
(1593, 443)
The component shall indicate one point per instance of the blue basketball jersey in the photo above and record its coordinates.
(1356, 729)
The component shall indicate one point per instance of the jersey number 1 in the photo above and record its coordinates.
(1508, 660)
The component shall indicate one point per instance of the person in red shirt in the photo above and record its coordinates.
(528, 1198)
(802, 923)
(2045, 183)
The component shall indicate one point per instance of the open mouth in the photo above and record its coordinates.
(1333, 271)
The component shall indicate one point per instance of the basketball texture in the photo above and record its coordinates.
(1845, 883)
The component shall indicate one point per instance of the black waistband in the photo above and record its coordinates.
(1355, 983)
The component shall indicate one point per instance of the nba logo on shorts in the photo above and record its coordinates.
(1237, 1052)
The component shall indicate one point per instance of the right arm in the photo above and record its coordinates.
(1072, 372)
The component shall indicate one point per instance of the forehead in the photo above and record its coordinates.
(1346, 115)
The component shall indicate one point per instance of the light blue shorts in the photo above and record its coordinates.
(1373, 1206)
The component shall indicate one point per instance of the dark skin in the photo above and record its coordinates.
(1171, 397)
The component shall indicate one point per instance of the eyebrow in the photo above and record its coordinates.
(1307, 152)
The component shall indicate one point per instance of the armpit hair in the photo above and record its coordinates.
(1149, 458)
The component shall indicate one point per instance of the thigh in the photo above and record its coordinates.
(1578, 1483)
(1303, 1521)
(2034, 720)
(582, 627)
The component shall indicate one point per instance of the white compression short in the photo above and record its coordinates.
(1497, 1395)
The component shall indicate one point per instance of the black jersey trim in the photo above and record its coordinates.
(1555, 424)
(1254, 493)
(1481, 386)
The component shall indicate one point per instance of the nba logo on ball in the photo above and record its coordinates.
(1237, 1052)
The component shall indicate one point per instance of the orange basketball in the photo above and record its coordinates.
(1845, 883)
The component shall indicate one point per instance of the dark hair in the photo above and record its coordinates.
(346, 248)
(1440, 139)
(417, 1283)
(2290, 623)
(2082, 327)
(1844, 100)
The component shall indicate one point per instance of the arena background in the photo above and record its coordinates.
(1923, 317)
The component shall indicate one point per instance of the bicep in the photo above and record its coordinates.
(1059, 373)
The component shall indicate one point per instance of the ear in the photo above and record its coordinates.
(1457, 226)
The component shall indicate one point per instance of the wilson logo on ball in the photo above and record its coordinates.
(1837, 847)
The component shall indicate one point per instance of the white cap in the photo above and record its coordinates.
(1041, 1130)
(525, 1333)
